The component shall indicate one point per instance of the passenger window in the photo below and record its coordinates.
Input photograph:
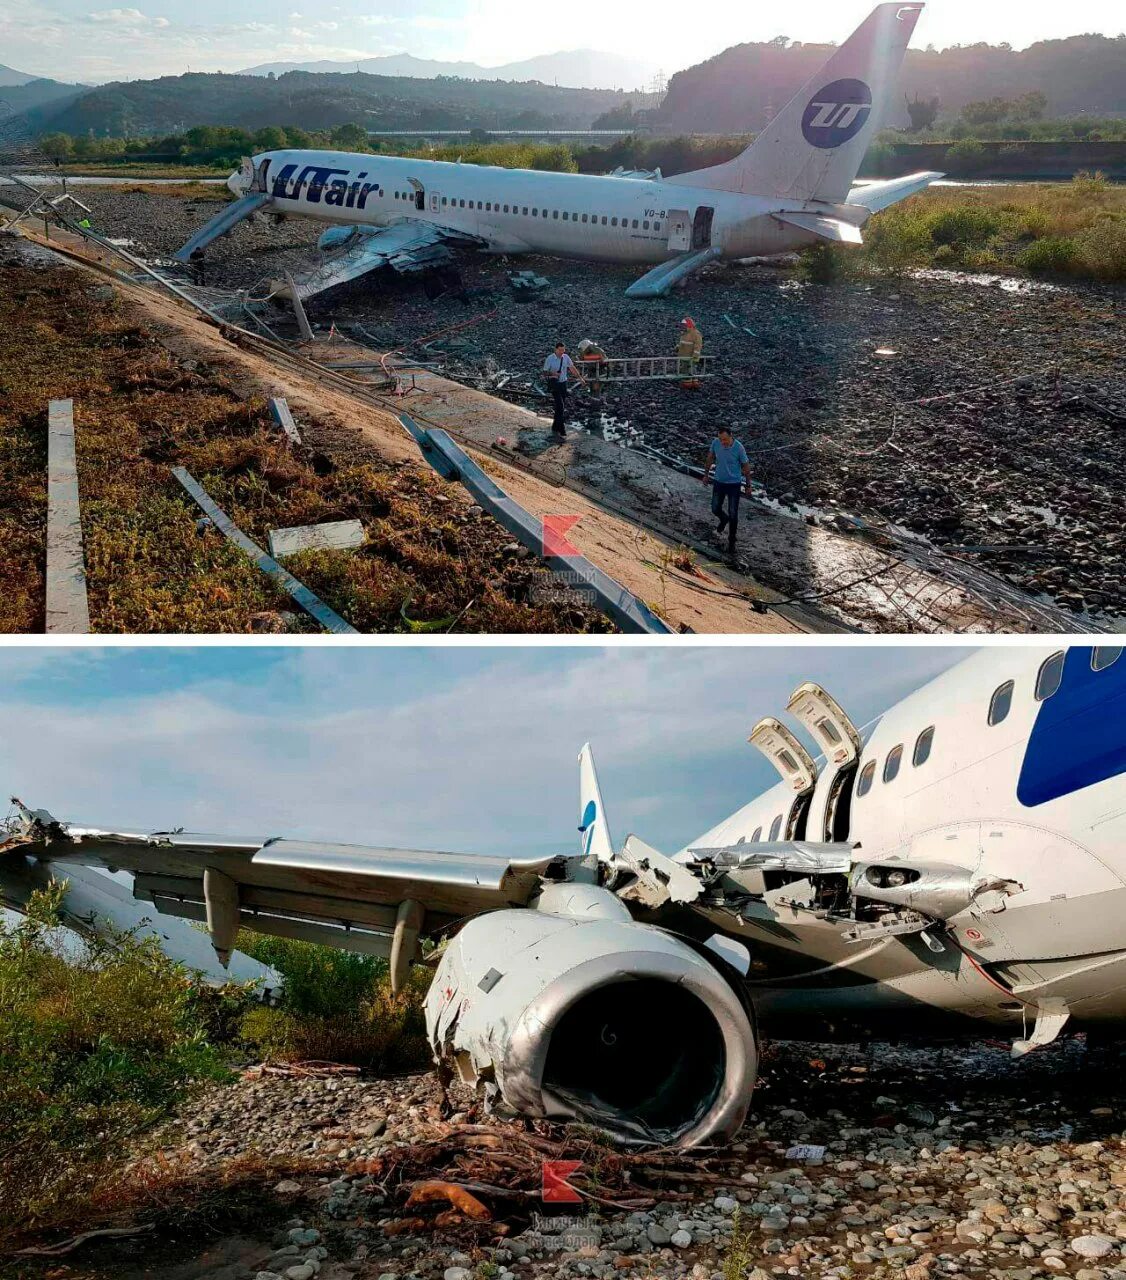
(891, 764)
(865, 783)
(524, 211)
(923, 744)
(644, 225)
(461, 203)
(603, 219)
(535, 213)
(613, 222)
(506, 208)
(757, 835)
(566, 216)
(1103, 658)
(584, 217)
(1048, 680)
(555, 214)
(775, 828)
(656, 226)
(1001, 703)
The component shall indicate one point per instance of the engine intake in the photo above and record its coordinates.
(596, 1018)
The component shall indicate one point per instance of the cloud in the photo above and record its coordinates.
(461, 749)
(127, 18)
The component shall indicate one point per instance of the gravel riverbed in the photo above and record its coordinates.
(938, 1162)
(987, 416)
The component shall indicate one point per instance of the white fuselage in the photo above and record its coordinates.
(1038, 797)
(568, 215)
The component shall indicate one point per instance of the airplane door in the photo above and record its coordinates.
(680, 230)
(794, 763)
(435, 202)
(826, 722)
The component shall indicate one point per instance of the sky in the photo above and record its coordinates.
(77, 40)
(463, 749)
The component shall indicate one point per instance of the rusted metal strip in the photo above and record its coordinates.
(312, 604)
(67, 608)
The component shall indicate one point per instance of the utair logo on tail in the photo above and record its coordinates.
(837, 113)
(587, 827)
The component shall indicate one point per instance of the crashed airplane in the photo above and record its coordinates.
(794, 186)
(958, 867)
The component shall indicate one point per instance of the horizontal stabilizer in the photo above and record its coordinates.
(656, 283)
(875, 196)
(832, 229)
(228, 217)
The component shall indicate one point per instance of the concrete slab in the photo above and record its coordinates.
(68, 611)
(336, 535)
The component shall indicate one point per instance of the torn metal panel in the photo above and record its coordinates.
(650, 879)
(334, 535)
(351, 252)
(938, 890)
(802, 856)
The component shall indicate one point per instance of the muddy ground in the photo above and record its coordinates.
(996, 428)
(937, 1162)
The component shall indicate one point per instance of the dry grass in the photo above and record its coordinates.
(139, 411)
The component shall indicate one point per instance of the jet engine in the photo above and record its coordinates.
(576, 1011)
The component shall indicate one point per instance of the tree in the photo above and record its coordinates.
(991, 112)
(1029, 107)
(271, 138)
(57, 146)
(923, 113)
(350, 137)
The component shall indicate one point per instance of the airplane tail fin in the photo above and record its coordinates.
(813, 148)
(593, 827)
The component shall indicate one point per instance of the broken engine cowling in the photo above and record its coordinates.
(575, 1011)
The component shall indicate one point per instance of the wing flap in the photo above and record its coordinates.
(352, 252)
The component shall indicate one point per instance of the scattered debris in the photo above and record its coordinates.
(330, 620)
(68, 1246)
(279, 411)
(336, 535)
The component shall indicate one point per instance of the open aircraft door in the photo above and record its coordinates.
(794, 763)
(830, 727)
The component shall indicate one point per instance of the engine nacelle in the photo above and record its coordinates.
(592, 1016)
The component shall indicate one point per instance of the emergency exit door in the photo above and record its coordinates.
(680, 230)
(435, 201)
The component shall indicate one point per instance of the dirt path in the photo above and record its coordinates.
(714, 602)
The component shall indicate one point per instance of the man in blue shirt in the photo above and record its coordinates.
(559, 369)
(727, 466)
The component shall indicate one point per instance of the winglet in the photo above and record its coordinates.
(593, 827)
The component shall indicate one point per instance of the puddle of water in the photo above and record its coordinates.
(1010, 284)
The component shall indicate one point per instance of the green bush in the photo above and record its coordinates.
(968, 154)
(96, 1040)
(336, 1006)
(1101, 249)
(967, 226)
(1051, 255)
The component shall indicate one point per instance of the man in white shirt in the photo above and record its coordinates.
(559, 369)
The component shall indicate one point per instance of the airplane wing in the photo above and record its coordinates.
(351, 252)
(875, 196)
(359, 897)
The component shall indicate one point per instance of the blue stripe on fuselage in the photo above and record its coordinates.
(1079, 737)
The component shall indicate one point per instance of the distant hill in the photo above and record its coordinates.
(578, 68)
(9, 77)
(138, 108)
(740, 89)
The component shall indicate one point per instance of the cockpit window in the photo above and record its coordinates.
(923, 744)
(891, 764)
(1103, 658)
(866, 776)
(1048, 680)
(1001, 703)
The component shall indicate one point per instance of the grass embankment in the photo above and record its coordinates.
(1075, 230)
(139, 411)
(99, 1042)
